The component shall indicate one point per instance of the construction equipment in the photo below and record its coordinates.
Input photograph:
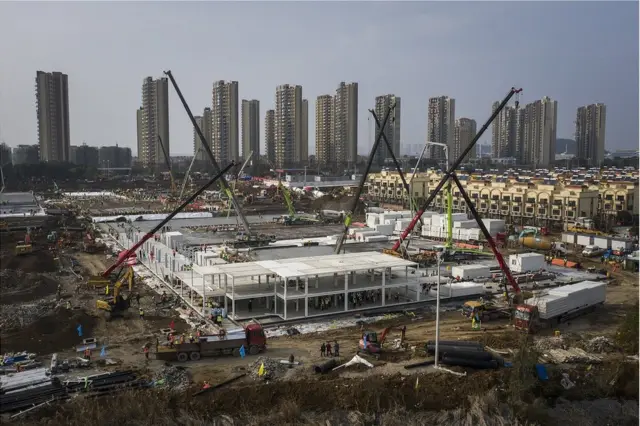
(167, 160)
(235, 181)
(371, 344)
(23, 249)
(106, 275)
(543, 244)
(252, 338)
(559, 305)
(450, 174)
(363, 179)
(117, 305)
(293, 218)
(485, 310)
(187, 175)
(224, 186)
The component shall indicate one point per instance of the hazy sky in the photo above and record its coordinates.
(575, 52)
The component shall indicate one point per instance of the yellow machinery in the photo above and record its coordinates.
(23, 249)
(117, 304)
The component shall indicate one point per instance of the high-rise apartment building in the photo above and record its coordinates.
(325, 154)
(52, 95)
(270, 136)
(345, 124)
(504, 132)
(590, 132)
(154, 123)
(204, 123)
(464, 132)
(539, 132)
(6, 156)
(250, 128)
(291, 125)
(139, 138)
(391, 130)
(225, 140)
(441, 122)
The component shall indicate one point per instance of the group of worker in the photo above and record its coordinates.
(326, 349)
(182, 338)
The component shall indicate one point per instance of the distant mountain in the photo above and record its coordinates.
(565, 144)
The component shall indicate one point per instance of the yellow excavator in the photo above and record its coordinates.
(117, 305)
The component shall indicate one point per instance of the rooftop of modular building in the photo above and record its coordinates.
(308, 266)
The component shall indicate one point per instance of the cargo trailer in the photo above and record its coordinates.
(559, 305)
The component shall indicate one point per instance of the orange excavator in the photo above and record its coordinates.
(371, 344)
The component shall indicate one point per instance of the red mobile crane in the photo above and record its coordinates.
(450, 174)
(148, 235)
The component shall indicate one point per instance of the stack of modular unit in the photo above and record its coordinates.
(384, 229)
(566, 299)
(469, 272)
(494, 226)
(462, 289)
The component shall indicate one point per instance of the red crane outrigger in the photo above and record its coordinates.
(128, 253)
(451, 174)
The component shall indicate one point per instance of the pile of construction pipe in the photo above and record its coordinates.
(464, 354)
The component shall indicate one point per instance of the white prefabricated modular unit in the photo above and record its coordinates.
(584, 240)
(602, 242)
(566, 299)
(465, 224)
(360, 235)
(388, 216)
(173, 239)
(384, 229)
(463, 289)
(375, 238)
(401, 224)
(494, 225)
(526, 262)
(618, 243)
(373, 219)
(469, 272)
(569, 238)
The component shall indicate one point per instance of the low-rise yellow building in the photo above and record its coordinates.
(523, 200)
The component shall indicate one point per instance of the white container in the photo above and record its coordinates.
(373, 219)
(401, 224)
(620, 243)
(526, 262)
(475, 234)
(469, 272)
(568, 238)
(584, 240)
(465, 224)
(494, 225)
(602, 242)
(384, 229)
(462, 289)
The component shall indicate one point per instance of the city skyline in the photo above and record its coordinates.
(577, 71)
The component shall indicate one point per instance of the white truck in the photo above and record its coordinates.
(592, 251)
(559, 305)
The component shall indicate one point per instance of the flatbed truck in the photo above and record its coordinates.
(252, 338)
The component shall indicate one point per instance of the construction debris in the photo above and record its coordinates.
(599, 345)
(271, 370)
(175, 378)
(570, 356)
(545, 343)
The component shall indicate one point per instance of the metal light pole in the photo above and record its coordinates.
(438, 258)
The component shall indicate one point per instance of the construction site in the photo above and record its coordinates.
(227, 302)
